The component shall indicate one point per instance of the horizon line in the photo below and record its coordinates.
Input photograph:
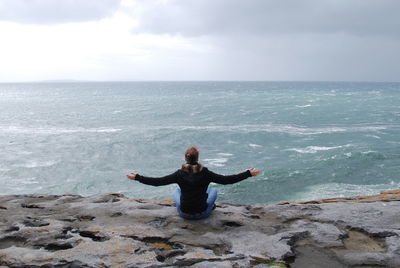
(66, 81)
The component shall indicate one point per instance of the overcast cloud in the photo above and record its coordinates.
(355, 40)
(261, 17)
(56, 11)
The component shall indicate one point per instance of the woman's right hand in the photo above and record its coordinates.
(131, 176)
(254, 172)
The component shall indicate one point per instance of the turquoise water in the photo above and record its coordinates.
(309, 139)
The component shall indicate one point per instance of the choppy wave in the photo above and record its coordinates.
(216, 162)
(225, 154)
(269, 128)
(304, 106)
(35, 164)
(32, 180)
(373, 136)
(54, 130)
(366, 155)
(253, 145)
(272, 128)
(82, 139)
(331, 190)
(315, 149)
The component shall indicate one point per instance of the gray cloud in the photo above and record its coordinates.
(242, 39)
(55, 11)
(221, 17)
(354, 40)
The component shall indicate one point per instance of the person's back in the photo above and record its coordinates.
(193, 191)
(194, 200)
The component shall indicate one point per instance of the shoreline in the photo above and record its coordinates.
(384, 196)
(111, 230)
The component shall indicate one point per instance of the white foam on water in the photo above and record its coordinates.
(374, 92)
(271, 128)
(35, 164)
(315, 149)
(28, 181)
(304, 106)
(296, 172)
(54, 130)
(253, 145)
(24, 184)
(369, 152)
(24, 152)
(216, 162)
(373, 136)
(224, 154)
(105, 130)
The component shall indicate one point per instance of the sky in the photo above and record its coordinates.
(140, 40)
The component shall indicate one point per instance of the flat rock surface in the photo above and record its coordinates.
(111, 230)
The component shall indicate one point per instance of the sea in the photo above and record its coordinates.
(310, 140)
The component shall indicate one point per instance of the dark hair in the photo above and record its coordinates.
(192, 158)
(192, 155)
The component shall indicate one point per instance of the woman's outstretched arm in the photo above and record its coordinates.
(229, 179)
(155, 181)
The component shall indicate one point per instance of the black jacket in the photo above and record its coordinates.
(194, 186)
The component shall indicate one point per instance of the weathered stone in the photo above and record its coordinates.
(324, 234)
(315, 257)
(111, 230)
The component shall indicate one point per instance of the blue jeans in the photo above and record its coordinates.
(212, 196)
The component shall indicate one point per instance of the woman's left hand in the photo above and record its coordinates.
(254, 172)
(131, 176)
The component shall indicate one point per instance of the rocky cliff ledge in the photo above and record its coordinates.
(112, 230)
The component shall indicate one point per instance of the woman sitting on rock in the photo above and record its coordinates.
(194, 200)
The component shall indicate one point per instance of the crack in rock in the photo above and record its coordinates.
(93, 235)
